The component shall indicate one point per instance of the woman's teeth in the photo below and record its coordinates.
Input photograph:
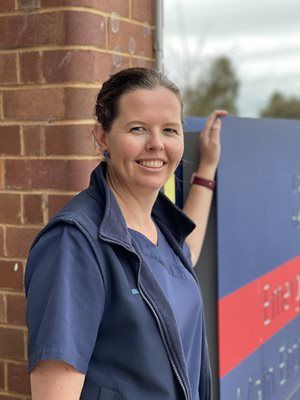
(152, 163)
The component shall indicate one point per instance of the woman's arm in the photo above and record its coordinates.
(53, 380)
(198, 201)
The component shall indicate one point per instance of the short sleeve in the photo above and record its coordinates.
(65, 298)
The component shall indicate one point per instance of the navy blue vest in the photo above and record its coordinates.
(138, 352)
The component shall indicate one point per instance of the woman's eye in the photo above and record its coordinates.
(137, 129)
(171, 131)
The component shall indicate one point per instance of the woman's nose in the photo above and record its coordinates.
(155, 142)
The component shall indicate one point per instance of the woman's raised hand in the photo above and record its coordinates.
(210, 143)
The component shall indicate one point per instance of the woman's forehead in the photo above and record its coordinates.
(148, 101)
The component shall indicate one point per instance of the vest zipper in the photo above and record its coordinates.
(186, 396)
(160, 328)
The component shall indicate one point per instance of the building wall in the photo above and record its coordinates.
(54, 55)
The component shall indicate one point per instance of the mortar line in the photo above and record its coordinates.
(13, 259)
(13, 361)
(22, 143)
(4, 241)
(20, 328)
(70, 47)
(1, 106)
(22, 208)
(62, 122)
(45, 207)
(62, 157)
(88, 10)
(66, 85)
(5, 307)
(50, 192)
(18, 67)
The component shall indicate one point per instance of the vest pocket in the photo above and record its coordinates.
(107, 394)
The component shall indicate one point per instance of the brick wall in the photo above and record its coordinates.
(54, 54)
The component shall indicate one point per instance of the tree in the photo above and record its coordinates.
(218, 89)
(280, 106)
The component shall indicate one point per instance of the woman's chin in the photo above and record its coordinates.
(151, 184)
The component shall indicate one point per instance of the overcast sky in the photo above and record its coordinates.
(261, 37)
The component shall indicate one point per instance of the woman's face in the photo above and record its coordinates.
(146, 139)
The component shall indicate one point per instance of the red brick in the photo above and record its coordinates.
(33, 209)
(10, 208)
(2, 314)
(121, 7)
(3, 397)
(119, 63)
(143, 10)
(19, 240)
(1, 374)
(10, 140)
(18, 378)
(32, 30)
(67, 175)
(56, 28)
(8, 68)
(70, 140)
(85, 29)
(49, 104)
(7, 5)
(79, 103)
(56, 202)
(141, 62)
(16, 309)
(11, 343)
(34, 104)
(131, 38)
(33, 136)
(30, 67)
(76, 65)
(11, 275)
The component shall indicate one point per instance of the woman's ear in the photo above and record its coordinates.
(100, 136)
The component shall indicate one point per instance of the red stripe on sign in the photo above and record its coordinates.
(252, 314)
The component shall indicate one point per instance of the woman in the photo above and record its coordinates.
(114, 308)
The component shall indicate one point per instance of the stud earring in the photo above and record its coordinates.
(106, 154)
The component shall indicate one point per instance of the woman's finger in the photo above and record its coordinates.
(213, 117)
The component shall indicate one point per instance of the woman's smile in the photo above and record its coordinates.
(151, 164)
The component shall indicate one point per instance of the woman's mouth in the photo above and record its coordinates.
(151, 163)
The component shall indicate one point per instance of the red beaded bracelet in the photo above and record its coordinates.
(197, 180)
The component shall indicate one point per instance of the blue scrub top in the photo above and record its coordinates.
(183, 294)
(66, 300)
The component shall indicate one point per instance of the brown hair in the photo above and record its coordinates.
(128, 80)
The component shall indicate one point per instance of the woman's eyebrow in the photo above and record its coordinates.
(134, 122)
(174, 124)
(166, 124)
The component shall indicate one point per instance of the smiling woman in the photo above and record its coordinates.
(114, 309)
(145, 142)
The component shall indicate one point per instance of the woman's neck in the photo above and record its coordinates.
(136, 206)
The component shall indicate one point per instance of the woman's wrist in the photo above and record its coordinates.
(206, 171)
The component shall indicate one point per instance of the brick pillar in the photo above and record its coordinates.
(54, 54)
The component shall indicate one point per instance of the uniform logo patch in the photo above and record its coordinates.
(135, 291)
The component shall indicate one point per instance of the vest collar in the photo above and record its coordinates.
(113, 226)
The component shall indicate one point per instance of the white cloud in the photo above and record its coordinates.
(261, 38)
